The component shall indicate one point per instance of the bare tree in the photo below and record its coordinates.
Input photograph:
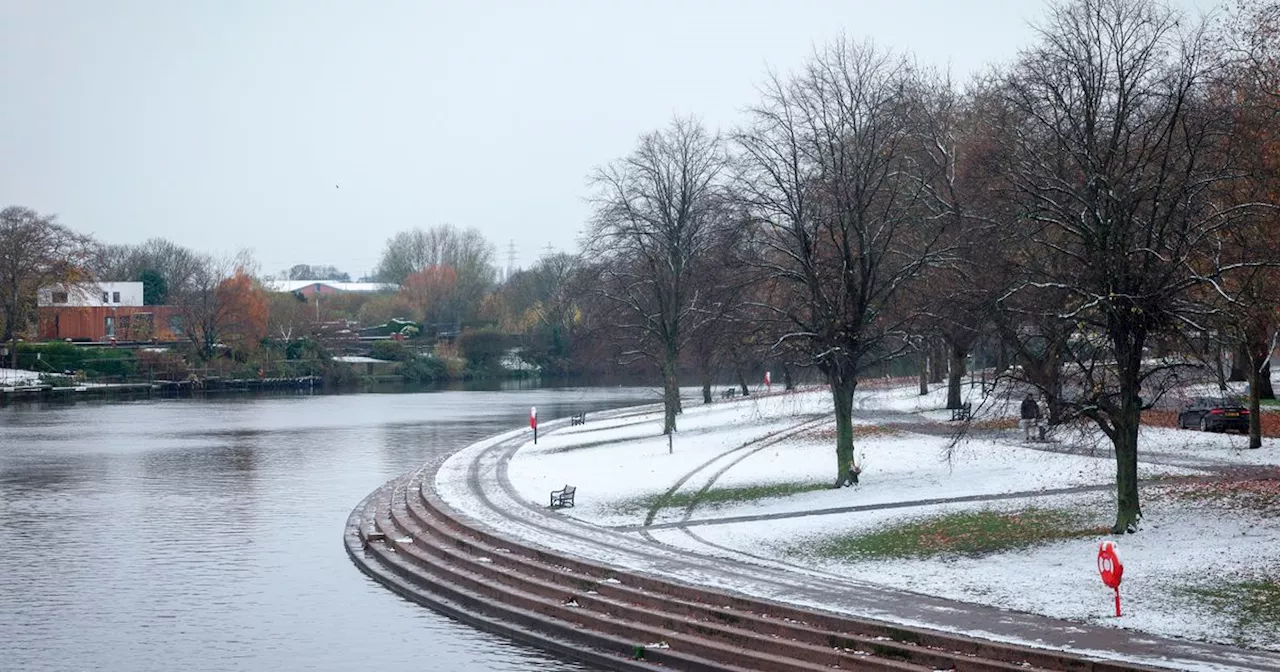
(467, 252)
(316, 272)
(210, 314)
(956, 296)
(1245, 87)
(1112, 164)
(35, 251)
(655, 215)
(174, 263)
(837, 209)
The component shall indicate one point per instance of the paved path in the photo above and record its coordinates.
(475, 484)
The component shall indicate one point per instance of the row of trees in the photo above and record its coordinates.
(1107, 205)
(441, 276)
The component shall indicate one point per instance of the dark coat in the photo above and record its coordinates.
(1030, 409)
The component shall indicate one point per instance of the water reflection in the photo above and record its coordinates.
(206, 534)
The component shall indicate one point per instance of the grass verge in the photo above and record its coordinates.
(718, 496)
(1260, 493)
(968, 533)
(1252, 606)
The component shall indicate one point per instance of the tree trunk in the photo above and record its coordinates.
(1220, 370)
(742, 382)
(1255, 407)
(1265, 390)
(670, 394)
(937, 355)
(1128, 508)
(1128, 349)
(924, 372)
(788, 382)
(955, 376)
(1056, 405)
(1239, 362)
(706, 390)
(842, 388)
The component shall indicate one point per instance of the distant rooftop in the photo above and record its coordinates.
(295, 285)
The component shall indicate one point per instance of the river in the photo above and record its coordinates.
(207, 534)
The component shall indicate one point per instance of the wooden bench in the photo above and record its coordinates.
(562, 498)
(965, 412)
(578, 419)
(729, 393)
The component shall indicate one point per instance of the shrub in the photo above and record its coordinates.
(484, 348)
(393, 350)
(59, 356)
(425, 369)
(164, 365)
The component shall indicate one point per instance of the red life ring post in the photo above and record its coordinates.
(1111, 569)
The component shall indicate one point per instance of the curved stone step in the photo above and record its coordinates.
(785, 621)
(405, 537)
(458, 595)
(645, 620)
(480, 574)
(656, 610)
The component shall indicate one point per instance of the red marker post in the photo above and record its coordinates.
(768, 384)
(1111, 569)
(533, 423)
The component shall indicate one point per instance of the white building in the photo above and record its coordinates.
(89, 295)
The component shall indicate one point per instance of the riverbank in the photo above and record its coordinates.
(27, 386)
(1009, 524)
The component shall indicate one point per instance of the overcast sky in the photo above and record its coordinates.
(311, 131)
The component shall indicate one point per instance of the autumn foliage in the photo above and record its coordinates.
(242, 311)
(430, 293)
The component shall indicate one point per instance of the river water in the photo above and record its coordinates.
(207, 534)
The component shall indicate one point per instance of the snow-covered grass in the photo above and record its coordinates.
(1180, 549)
(630, 458)
(15, 377)
(973, 533)
(746, 476)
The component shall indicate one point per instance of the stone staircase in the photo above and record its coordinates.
(404, 537)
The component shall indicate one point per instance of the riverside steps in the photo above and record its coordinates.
(407, 538)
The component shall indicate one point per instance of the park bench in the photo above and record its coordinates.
(965, 412)
(562, 498)
(578, 419)
(729, 393)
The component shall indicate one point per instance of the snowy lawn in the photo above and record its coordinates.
(617, 461)
(971, 520)
(1189, 573)
(13, 377)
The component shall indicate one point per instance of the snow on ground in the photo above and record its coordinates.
(1162, 443)
(906, 467)
(12, 377)
(760, 441)
(1180, 547)
(1001, 402)
(629, 457)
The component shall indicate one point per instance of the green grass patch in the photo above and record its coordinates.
(1252, 606)
(718, 496)
(968, 533)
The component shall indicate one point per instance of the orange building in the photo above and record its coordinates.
(103, 323)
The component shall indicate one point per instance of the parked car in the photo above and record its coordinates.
(1214, 414)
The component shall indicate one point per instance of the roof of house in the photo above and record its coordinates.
(295, 285)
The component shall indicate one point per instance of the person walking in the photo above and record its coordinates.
(1030, 416)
